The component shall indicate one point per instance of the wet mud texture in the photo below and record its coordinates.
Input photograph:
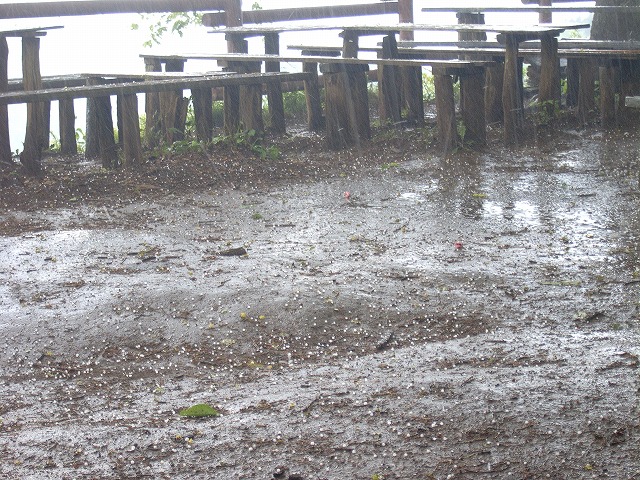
(470, 317)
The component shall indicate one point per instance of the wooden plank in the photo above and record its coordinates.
(99, 7)
(304, 13)
(96, 91)
(230, 57)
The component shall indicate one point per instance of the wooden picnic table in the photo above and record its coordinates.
(31, 81)
(509, 35)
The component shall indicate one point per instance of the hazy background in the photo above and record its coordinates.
(108, 44)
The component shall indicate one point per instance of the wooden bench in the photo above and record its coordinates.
(401, 9)
(347, 105)
(127, 102)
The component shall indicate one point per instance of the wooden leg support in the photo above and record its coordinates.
(202, 109)
(152, 126)
(411, 78)
(5, 144)
(32, 153)
(586, 94)
(132, 146)
(107, 150)
(274, 90)
(607, 96)
(494, 78)
(347, 104)
(512, 107)
(67, 118)
(446, 112)
(315, 119)
(388, 80)
(573, 82)
(472, 85)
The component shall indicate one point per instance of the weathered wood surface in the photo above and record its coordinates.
(346, 104)
(31, 154)
(241, 57)
(5, 144)
(98, 7)
(632, 102)
(95, 91)
(304, 13)
(446, 118)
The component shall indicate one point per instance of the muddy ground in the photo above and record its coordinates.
(469, 317)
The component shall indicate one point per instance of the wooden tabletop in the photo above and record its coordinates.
(246, 31)
(535, 8)
(26, 32)
(245, 57)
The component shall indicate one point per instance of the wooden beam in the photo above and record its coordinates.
(95, 91)
(99, 7)
(304, 13)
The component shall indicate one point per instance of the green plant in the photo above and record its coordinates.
(174, 22)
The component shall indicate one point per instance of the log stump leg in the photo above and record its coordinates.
(130, 133)
(586, 94)
(388, 76)
(549, 88)
(445, 112)
(100, 139)
(32, 152)
(512, 107)
(347, 104)
(202, 109)
(274, 90)
(573, 82)
(494, 79)
(5, 144)
(173, 107)
(607, 96)
(315, 119)
(411, 79)
(67, 119)
(231, 94)
(153, 127)
(472, 85)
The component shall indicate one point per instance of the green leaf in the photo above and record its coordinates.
(200, 410)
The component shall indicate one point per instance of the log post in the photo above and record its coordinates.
(32, 153)
(544, 17)
(274, 90)
(389, 102)
(445, 111)
(67, 119)
(607, 96)
(5, 143)
(173, 107)
(573, 82)
(472, 101)
(202, 109)
(347, 104)
(251, 100)
(512, 107)
(132, 146)
(153, 124)
(586, 91)
(315, 120)
(231, 94)
(493, 92)
(549, 86)
(100, 130)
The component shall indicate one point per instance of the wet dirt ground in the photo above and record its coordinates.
(468, 317)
